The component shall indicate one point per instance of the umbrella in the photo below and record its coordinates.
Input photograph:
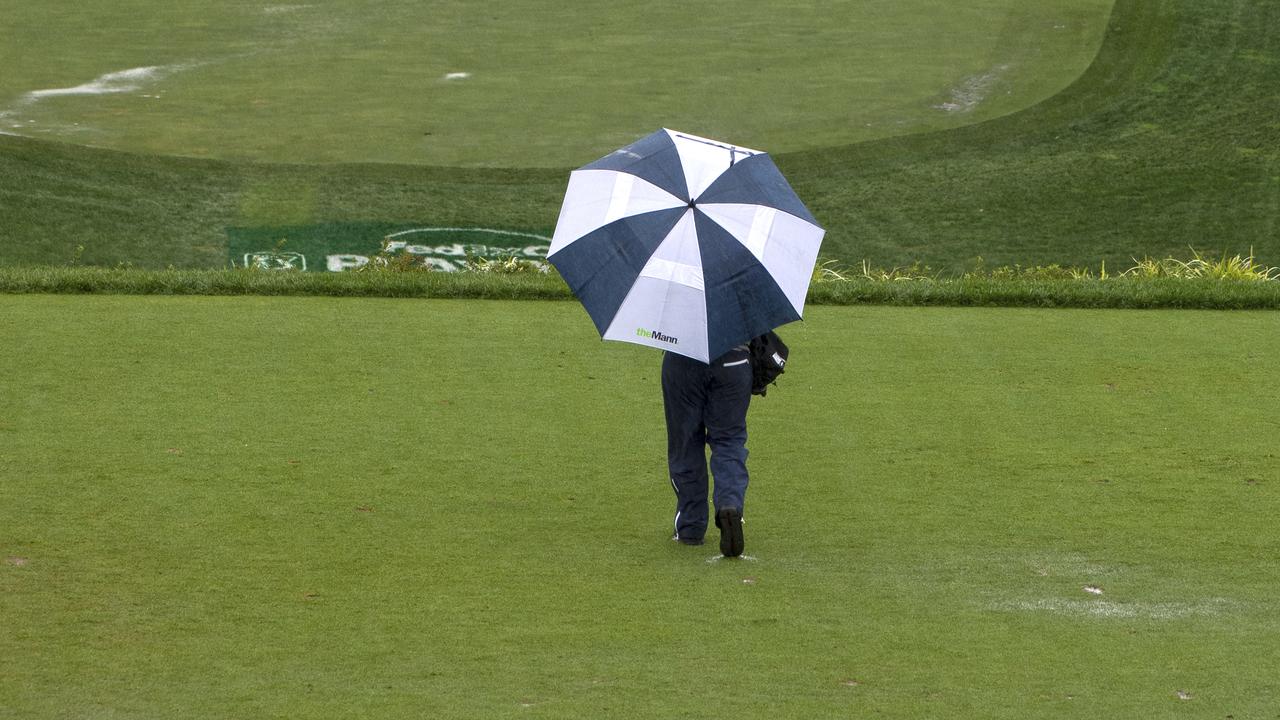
(686, 244)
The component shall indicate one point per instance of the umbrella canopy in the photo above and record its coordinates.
(686, 244)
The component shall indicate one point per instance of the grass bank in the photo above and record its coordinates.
(1167, 140)
(117, 281)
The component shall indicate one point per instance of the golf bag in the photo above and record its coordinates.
(768, 357)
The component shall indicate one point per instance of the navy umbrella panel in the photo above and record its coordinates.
(686, 244)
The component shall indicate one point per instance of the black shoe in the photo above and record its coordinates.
(729, 520)
(686, 540)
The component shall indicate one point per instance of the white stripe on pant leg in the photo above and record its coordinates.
(739, 362)
(677, 491)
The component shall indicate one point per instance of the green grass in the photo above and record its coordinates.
(991, 289)
(550, 84)
(316, 507)
(1168, 140)
(469, 285)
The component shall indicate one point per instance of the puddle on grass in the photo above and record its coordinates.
(1107, 609)
(1095, 586)
(283, 9)
(121, 81)
(970, 93)
(118, 82)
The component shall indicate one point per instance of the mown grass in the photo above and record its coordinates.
(368, 80)
(318, 507)
(980, 290)
(1167, 140)
(1061, 293)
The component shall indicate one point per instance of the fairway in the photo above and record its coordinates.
(527, 83)
(317, 508)
(308, 508)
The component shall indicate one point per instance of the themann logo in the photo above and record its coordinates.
(656, 335)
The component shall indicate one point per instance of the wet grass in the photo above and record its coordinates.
(533, 84)
(1166, 141)
(319, 507)
(989, 289)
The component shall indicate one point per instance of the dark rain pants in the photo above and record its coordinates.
(706, 405)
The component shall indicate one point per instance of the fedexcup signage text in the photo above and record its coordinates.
(339, 247)
(657, 335)
(447, 258)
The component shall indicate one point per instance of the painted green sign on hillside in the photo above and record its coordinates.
(339, 247)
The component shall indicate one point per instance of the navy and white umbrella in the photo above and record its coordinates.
(686, 244)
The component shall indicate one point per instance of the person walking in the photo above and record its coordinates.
(706, 406)
(691, 245)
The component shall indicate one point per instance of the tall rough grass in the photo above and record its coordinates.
(1237, 282)
(1227, 283)
(1241, 268)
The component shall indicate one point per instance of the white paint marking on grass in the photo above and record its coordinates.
(718, 558)
(457, 76)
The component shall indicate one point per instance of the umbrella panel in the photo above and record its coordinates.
(596, 198)
(601, 265)
(665, 306)
(743, 300)
(756, 181)
(653, 158)
(786, 245)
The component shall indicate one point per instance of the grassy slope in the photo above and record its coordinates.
(257, 507)
(1168, 140)
(155, 212)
